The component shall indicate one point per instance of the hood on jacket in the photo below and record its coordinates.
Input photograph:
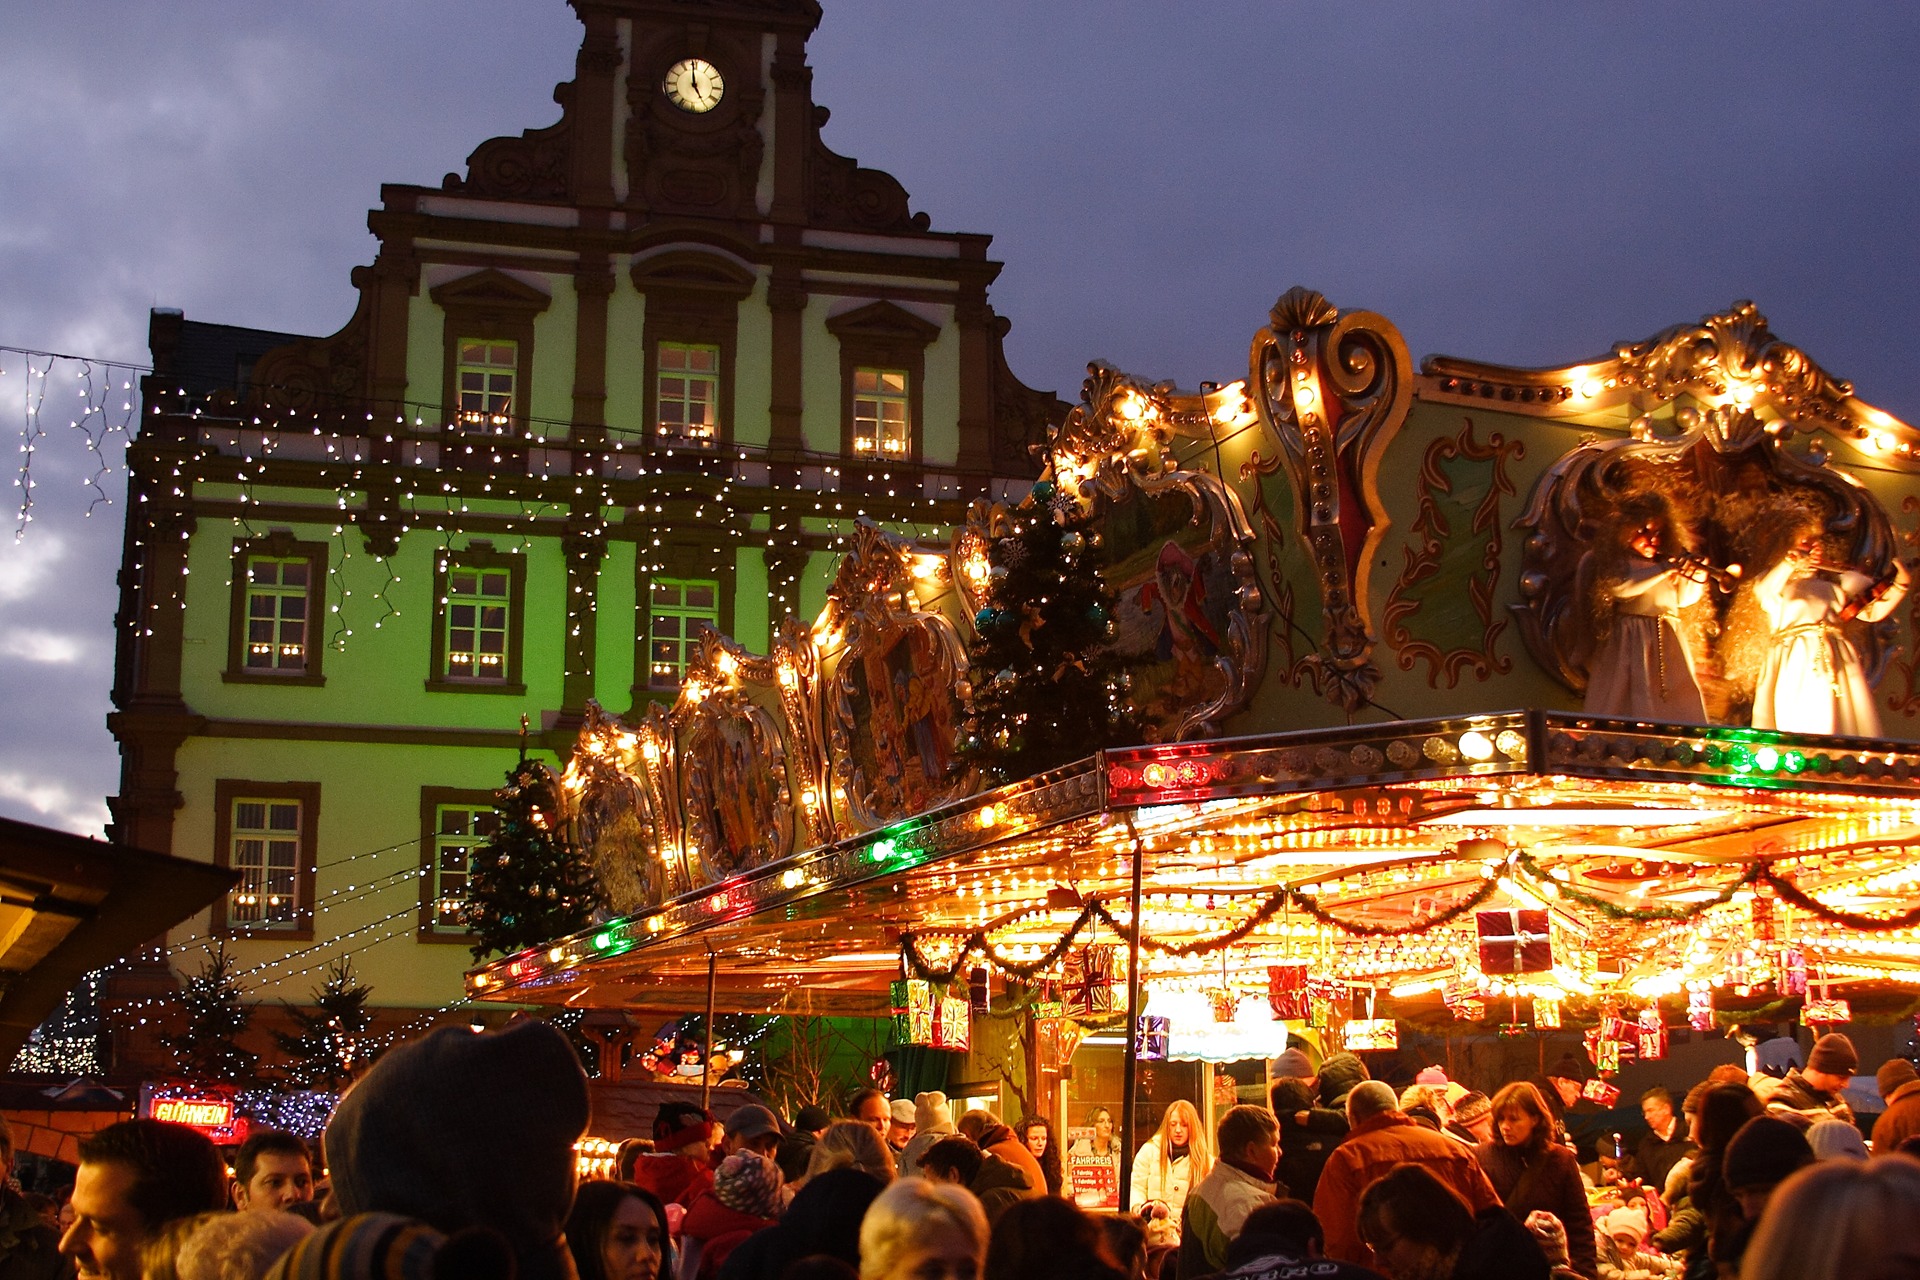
(996, 1174)
(1338, 1075)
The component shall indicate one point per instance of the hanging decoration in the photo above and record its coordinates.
(1225, 1005)
(1514, 941)
(1323, 999)
(1651, 1034)
(1700, 1009)
(1364, 1034)
(1087, 987)
(1793, 972)
(1546, 1014)
(1150, 1038)
(926, 1014)
(1600, 1091)
(1287, 991)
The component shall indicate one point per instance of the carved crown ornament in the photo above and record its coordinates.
(1729, 359)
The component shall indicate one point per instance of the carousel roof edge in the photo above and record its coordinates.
(1490, 745)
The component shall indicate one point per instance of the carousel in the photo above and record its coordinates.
(1577, 698)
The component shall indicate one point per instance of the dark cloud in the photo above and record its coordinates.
(1511, 181)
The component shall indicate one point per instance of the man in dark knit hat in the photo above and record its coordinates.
(1814, 1093)
(1582, 1122)
(1900, 1090)
(462, 1129)
(1765, 1153)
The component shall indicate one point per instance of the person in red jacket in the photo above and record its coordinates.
(989, 1134)
(1900, 1088)
(680, 1166)
(1530, 1171)
(1381, 1139)
(747, 1195)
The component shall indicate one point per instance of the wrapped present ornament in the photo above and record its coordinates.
(1793, 972)
(1700, 1010)
(926, 1014)
(1603, 1051)
(979, 997)
(1462, 1000)
(1087, 985)
(1763, 919)
(1825, 1012)
(1652, 1035)
(1597, 1090)
(1057, 1038)
(1150, 1038)
(1546, 1014)
(1324, 996)
(1513, 1030)
(1515, 940)
(1371, 1033)
(1225, 1006)
(1287, 991)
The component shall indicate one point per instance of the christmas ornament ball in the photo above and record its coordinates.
(1072, 540)
(1043, 491)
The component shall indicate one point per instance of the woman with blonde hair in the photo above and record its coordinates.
(1169, 1163)
(1840, 1220)
(918, 1228)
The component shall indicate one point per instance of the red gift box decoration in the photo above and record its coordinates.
(925, 1014)
(1826, 1013)
(1515, 940)
(1601, 1092)
(1287, 991)
(1700, 1010)
(1652, 1037)
(1793, 972)
(1087, 985)
(1323, 994)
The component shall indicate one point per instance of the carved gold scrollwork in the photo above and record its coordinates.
(739, 809)
(1728, 358)
(896, 694)
(620, 789)
(1333, 390)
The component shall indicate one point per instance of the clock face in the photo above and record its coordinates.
(693, 84)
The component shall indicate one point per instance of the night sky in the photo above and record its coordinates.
(1524, 183)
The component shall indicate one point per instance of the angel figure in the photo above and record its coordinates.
(1813, 680)
(1643, 667)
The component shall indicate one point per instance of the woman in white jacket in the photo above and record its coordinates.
(1175, 1158)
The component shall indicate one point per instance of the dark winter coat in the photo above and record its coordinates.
(1901, 1119)
(29, 1248)
(1305, 1145)
(1501, 1249)
(1544, 1179)
(1796, 1100)
(997, 1185)
(1655, 1157)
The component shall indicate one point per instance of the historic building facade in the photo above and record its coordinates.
(634, 374)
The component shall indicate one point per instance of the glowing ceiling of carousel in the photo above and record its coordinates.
(1666, 860)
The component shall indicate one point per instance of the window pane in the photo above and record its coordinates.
(685, 389)
(679, 608)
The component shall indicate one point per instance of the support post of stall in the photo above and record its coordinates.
(706, 1059)
(1130, 1089)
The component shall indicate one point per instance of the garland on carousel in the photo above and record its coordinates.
(978, 943)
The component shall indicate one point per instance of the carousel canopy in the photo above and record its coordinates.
(1662, 857)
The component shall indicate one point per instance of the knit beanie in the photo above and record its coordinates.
(1570, 1066)
(1834, 1054)
(809, 1119)
(1290, 1095)
(931, 1114)
(1434, 1075)
(1630, 1220)
(748, 1182)
(1291, 1065)
(464, 1129)
(900, 1111)
(1764, 1152)
(385, 1246)
(1893, 1073)
(1835, 1139)
(1338, 1075)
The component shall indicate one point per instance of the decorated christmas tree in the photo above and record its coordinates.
(528, 884)
(1048, 688)
(325, 1051)
(216, 1016)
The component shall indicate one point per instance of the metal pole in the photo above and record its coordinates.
(1130, 1090)
(706, 1060)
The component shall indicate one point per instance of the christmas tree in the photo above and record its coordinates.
(1048, 688)
(324, 1052)
(216, 1016)
(528, 884)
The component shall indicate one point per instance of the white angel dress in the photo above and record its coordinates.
(1813, 680)
(1644, 669)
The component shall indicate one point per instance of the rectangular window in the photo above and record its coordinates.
(675, 609)
(881, 425)
(264, 847)
(687, 395)
(277, 611)
(479, 606)
(485, 375)
(458, 830)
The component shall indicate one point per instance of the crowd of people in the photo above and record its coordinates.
(453, 1157)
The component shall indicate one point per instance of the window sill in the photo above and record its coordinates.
(429, 937)
(298, 681)
(441, 685)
